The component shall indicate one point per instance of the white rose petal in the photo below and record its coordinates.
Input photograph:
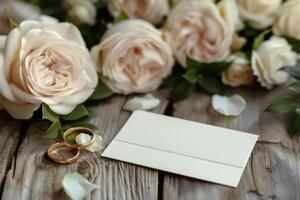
(153, 11)
(132, 57)
(259, 13)
(228, 106)
(83, 138)
(77, 187)
(288, 19)
(146, 102)
(266, 61)
(196, 29)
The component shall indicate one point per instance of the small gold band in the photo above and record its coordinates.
(79, 129)
(52, 150)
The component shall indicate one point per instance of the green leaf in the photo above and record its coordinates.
(180, 91)
(79, 112)
(214, 68)
(101, 92)
(292, 71)
(121, 16)
(191, 63)
(295, 123)
(191, 75)
(295, 87)
(53, 131)
(210, 84)
(49, 114)
(294, 43)
(283, 105)
(260, 38)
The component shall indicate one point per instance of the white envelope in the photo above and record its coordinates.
(183, 147)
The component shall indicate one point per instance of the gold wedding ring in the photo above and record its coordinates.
(66, 145)
(79, 130)
(53, 151)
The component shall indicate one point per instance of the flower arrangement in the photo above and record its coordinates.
(57, 55)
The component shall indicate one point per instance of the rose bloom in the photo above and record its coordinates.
(259, 13)
(239, 73)
(45, 63)
(266, 61)
(153, 11)
(287, 23)
(84, 11)
(197, 30)
(132, 57)
(229, 11)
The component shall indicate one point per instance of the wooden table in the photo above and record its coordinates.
(273, 170)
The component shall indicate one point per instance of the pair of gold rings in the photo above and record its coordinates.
(66, 145)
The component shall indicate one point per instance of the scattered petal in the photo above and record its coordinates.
(83, 138)
(76, 186)
(229, 106)
(145, 102)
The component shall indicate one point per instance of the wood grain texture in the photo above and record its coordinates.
(273, 170)
(34, 176)
(10, 137)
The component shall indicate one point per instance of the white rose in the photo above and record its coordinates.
(266, 61)
(287, 23)
(45, 63)
(132, 57)
(84, 11)
(153, 11)
(20, 11)
(196, 29)
(239, 73)
(229, 11)
(259, 13)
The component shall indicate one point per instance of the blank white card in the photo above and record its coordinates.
(183, 147)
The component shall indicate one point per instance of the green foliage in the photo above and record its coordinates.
(283, 105)
(294, 43)
(210, 84)
(260, 38)
(101, 92)
(79, 112)
(181, 91)
(121, 16)
(53, 131)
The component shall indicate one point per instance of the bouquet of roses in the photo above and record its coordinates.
(57, 55)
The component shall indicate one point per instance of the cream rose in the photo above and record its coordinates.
(45, 63)
(287, 23)
(153, 11)
(196, 29)
(84, 11)
(266, 61)
(20, 11)
(132, 57)
(239, 73)
(229, 11)
(259, 13)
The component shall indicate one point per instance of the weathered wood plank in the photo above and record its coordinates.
(273, 170)
(34, 176)
(10, 136)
